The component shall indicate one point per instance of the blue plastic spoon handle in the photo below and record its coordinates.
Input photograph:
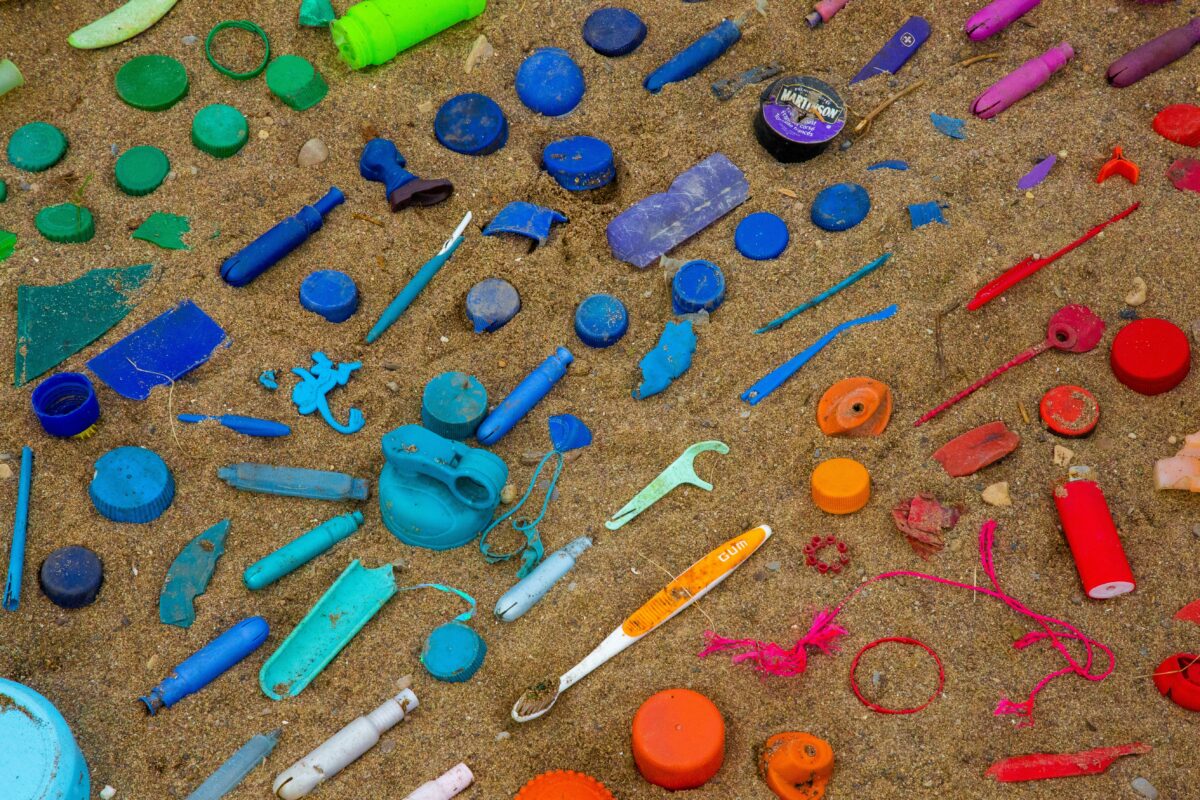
(410, 291)
(695, 57)
(16, 559)
(250, 426)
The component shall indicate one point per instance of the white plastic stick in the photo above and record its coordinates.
(446, 787)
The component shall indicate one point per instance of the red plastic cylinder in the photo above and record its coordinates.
(1093, 538)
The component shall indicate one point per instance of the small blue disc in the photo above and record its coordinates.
(71, 576)
(491, 303)
(453, 405)
(549, 82)
(840, 207)
(331, 294)
(761, 236)
(471, 124)
(601, 320)
(453, 652)
(579, 163)
(614, 31)
(697, 286)
(131, 484)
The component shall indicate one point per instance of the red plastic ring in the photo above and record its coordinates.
(883, 709)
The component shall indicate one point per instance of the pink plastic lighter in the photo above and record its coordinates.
(1022, 81)
(996, 16)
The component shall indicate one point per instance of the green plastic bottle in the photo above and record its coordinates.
(375, 31)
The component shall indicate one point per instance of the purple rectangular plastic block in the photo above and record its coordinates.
(696, 199)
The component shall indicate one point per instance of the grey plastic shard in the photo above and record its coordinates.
(697, 198)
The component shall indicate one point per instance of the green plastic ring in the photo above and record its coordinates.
(245, 25)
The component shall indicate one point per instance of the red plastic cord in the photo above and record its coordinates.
(897, 640)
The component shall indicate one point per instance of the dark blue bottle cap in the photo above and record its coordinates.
(601, 320)
(614, 31)
(761, 236)
(697, 286)
(471, 124)
(491, 303)
(66, 404)
(840, 207)
(131, 484)
(331, 294)
(453, 405)
(453, 652)
(579, 163)
(71, 576)
(549, 82)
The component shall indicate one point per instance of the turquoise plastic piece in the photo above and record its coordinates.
(310, 394)
(131, 484)
(189, 575)
(437, 493)
(298, 552)
(349, 604)
(39, 759)
(453, 652)
(669, 359)
(229, 775)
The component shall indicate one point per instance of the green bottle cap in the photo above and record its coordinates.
(220, 130)
(3, 190)
(36, 146)
(152, 83)
(296, 82)
(67, 223)
(141, 170)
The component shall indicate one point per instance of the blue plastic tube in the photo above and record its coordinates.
(521, 400)
(249, 426)
(695, 57)
(208, 663)
(229, 775)
(313, 484)
(513, 604)
(273, 246)
(301, 550)
(16, 558)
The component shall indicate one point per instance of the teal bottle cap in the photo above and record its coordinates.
(66, 223)
(152, 83)
(296, 82)
(39, 759)
(36, 146)
(131, 484)
(453, 652)
(141, 170)
(220, 130)
(453, 405)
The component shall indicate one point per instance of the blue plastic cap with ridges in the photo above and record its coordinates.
(761, 236)
(453, 652)
(131, 484)
(453, 404)
(840, 207)
(330, 293)
(580, 163)
(66, 404)
(614, 32)
(471, 124)
(71, 576)
(601, 320)
(697, 286)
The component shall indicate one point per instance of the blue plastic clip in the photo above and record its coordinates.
(208, 663)
(273, 246)
(309, 394)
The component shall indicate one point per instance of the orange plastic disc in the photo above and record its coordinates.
(796, 766)
(564, 785)
(1070, 410)
(855, 407)
(678, 739)
(841, 486)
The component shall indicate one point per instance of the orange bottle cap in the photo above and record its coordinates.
(796, 766)
(678, 739)
(563, 784)
(841, 486)
(855, 407)
(1070, 410)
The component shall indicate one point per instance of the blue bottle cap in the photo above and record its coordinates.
(579, 163)
(453, 652)
(71, 576)
(471, 124)
(614, 31)
(549, 82)
(601, 320)
(453, 405)
(131, 484)
(39, 759)
(66, 404)
(840, 207)
(331, 294)
(761, 236)
(697, 286)
(491, 303)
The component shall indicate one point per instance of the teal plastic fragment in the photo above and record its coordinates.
(189, 575)
(316, 13)
(953, 127)
(669, 359)
(229, 775)
(164, 230)
(349, 604)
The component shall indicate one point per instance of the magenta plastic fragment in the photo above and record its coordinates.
(1038, 173)
(1022, 81)
(1154, 55)
(995, 17)
(1185, 174)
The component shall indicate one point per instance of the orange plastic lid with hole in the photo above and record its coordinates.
(796, 766)
(841, 486)
(678, 739)
(1070, 410)
(855, 407)
(563, 784)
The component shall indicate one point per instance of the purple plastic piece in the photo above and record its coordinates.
(898, 50)
(696, 199)
(524, 219)
(1038, 173)
(995, 17)
(1154, 55)
(1022, 81)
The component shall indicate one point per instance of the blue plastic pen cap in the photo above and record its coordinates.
(331, 294)
(66, 404)
(131, 484)
(580, 163)
(697, 286)
(454, 652)
(471, 124)
(601, 320)
(71, 576)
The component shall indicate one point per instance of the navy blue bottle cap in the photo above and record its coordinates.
(601, 320)
(761, 236)
(453, 652)
(840, 207)
(131, 484)
(331, 294)
(491, 303)
(697, 286)
(453, 404)
(579, 163)
(471, 124)
(614, 31)
(71, 576)
(66, 404)
(549, 82)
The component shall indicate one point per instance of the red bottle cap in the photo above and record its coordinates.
(1151, 356)
(1070, 410)
(678, 739)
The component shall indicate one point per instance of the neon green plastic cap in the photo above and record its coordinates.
(220, 130)
(375, 31)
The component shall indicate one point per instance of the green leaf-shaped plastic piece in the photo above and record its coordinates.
(189, 575)
(121, 24)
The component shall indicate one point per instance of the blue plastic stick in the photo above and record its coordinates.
(778, 376)
(696, 56)
(828, 293)
(16, 558)
(250, 426)
(521, 400)
(273, 246)
(208, 663)
(229, 775)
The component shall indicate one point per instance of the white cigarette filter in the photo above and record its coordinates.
(446, 787)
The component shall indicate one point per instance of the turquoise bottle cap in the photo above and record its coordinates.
(131, 484)
(66, 223)
(152, 83)
(36, 147)
(453, 652)
(220, 130)
(141, 170)
(39, 758)
(453, 405)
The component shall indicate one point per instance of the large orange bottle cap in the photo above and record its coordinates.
(855, 407)
(841, 486)
(564, 785)
(678, 739)
(796, 766)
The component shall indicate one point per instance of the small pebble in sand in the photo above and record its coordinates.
(1172, 439)
(508, 494)
(774, 566)
(425, 107)
(1063, 455)
(1138, 295)
(481, 51)
(502, 735)
(313, 152)
(5, 472)
(108, 793)
(264, 134)
(1145, 788)
(444, 339)
(393, 386)
(997, 494)
(388, 746)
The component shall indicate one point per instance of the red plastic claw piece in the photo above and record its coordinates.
(1119, 165)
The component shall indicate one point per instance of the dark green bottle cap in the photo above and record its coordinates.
(141, 170)
(66, 223)
(36, 146)
(220, 130)
(152, 83)
(3, 190)
(296, 82)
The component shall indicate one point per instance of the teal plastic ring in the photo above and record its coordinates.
(245, 25)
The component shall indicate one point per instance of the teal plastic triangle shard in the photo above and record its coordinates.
(56, 322)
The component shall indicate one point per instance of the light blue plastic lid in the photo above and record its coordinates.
(601, 320)
(550, 82)
(453, 405)
(491, 303)
(840, 207)
(697, 286)
(453, 653)
(761, 236)
(331, 294)
(579, 163)
(39, 759)
(131, 484)
(471, 124)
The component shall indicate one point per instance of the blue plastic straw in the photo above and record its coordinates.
(16, 559)
(229, 775)
(828, 293)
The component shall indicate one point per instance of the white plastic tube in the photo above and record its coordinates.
(446, 787)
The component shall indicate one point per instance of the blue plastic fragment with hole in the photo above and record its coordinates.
(669, 359)
(525, 219)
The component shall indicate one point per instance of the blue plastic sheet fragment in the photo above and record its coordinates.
(568, 432)
(896, 164)
(953, 127)
(903, 45)
(525, 219)
(922, 214)
(669, 359)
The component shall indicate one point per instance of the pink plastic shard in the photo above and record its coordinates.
(1185, 174)
(922, 521)
(1039, 766)
(977, 448)
(1182, 470)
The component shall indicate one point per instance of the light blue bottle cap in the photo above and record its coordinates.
(471, 124)
(454, 652)
(131, 484)
(614, 32)
(549, 82)
(453, 405)
(579, 163)
(840, 207)
(331, 294)
(601, 320)
(491, 303)
(761, 236)
(697, 286)
(39, 759)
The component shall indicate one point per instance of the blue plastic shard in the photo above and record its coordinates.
(953, 127)
(696, 199)
(160, 352)
(896, 164)
(1038, 173)
(525, 219)
(568, 432)
(922, 214)
(189, 575)
(310, 394)
(669, 359)
(898, 50)
(268, 380)
(229, 775)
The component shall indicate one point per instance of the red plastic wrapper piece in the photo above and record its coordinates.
(1039, 766)
(922, 521)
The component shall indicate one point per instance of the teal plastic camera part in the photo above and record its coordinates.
(437, 493)
(39, 759)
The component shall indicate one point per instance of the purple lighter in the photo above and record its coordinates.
(1022, 81)
(996, 16)
(1154, 55)
(899, 49)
